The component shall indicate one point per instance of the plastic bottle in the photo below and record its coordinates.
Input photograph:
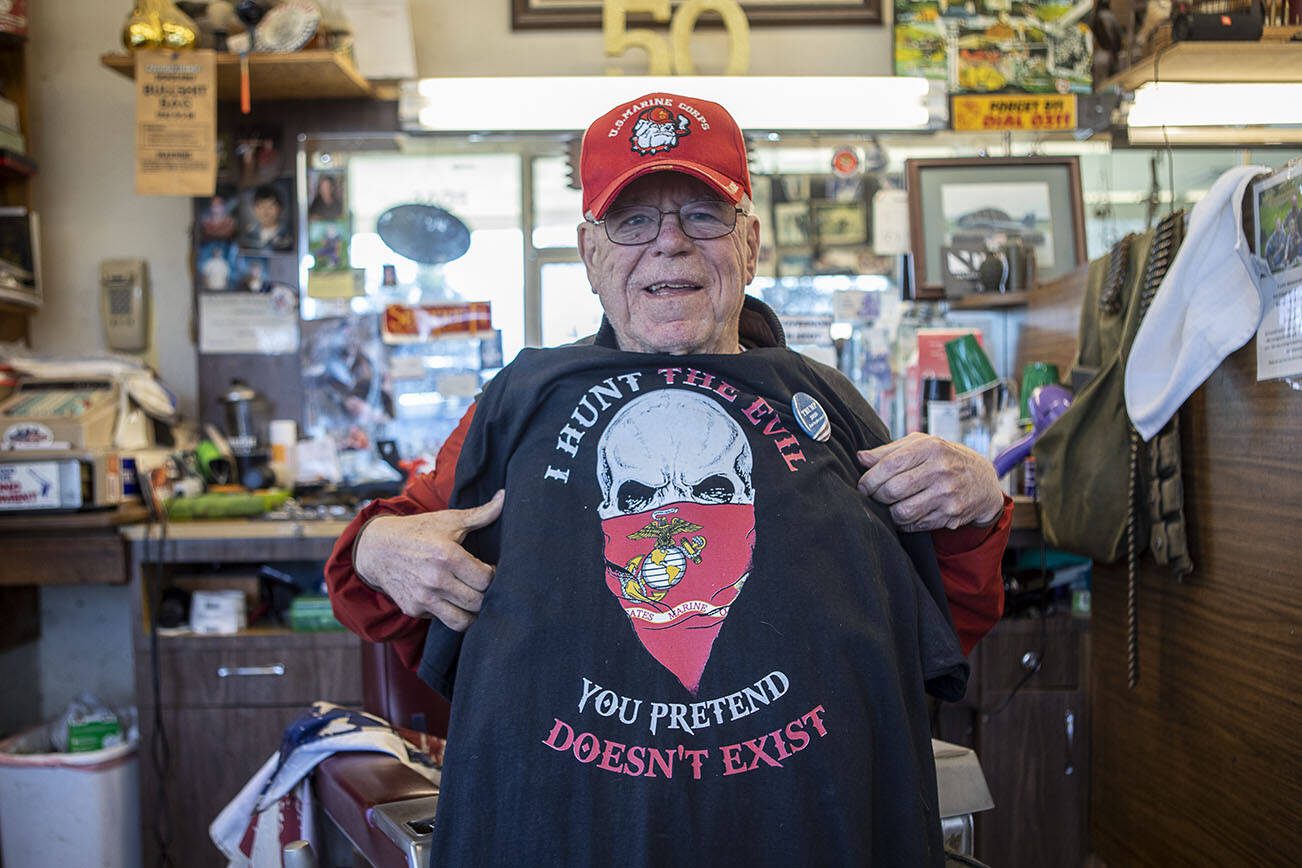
(1007, 432)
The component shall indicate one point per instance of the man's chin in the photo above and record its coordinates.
(675, 342)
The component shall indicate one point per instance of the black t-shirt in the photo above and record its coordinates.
(702, 644)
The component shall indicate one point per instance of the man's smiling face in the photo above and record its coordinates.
(675, 294)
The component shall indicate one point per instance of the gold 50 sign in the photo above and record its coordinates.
(673, 56)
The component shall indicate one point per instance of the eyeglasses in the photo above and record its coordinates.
(639, 224)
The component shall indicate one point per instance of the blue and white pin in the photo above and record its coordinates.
(811, 416)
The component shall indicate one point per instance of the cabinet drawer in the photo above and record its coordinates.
(268, 673)
(1003, 657)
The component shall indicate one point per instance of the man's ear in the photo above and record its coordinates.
(752, 237)
(587, 248)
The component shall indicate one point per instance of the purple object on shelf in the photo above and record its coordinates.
(1046, 404)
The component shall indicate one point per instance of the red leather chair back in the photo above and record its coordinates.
(397, 694)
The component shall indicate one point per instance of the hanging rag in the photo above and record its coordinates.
(276, 807)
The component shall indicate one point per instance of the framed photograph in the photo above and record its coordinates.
(841, 222)
(217, 217)
(791, 224)
(989, 202)
(1277, 203)
(217, 266)
(327, 196)
(586, 14)
(267, 217)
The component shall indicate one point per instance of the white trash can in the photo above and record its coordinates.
(60, 809)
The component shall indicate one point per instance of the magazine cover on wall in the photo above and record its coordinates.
(991, 46)
(347, 394)
(267, 217)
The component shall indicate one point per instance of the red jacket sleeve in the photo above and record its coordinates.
(361, 608)
(970, 561)
(971, 568)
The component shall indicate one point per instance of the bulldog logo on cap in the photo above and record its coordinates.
(657, 130)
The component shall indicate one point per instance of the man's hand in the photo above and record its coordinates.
(419, 563)
(930, 483)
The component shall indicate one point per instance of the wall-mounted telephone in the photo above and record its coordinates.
(124, 303)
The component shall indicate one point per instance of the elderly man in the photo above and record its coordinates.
(702, 630)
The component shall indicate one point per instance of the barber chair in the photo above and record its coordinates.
(380, 805)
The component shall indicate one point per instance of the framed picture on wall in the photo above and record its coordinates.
(841, 222)
(791, 223)
(990, 202)
(586, 14)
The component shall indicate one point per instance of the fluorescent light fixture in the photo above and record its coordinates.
(570, 103)
(1185, 104)
(1213, 136)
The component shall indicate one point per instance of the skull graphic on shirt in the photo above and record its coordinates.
(678, 516)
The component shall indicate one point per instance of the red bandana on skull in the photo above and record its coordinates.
(679, 520)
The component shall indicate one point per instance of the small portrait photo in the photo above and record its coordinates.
(216, 218)
(267, 217)
(216, 266)
(254, 274)
(791, 223)
(327, 241)
(841, 222)
(326, 201)
(258, 158)
(1279, 224)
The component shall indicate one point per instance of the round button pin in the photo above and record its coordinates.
(811, 417)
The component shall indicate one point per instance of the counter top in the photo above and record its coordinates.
(237, 529)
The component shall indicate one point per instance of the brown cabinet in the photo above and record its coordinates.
(224, 701)
(1026, 714)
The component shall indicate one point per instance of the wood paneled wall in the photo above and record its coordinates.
(1201, 764)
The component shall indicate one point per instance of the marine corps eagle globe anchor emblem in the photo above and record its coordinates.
(649, 577)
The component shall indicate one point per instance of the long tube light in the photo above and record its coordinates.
(760, 103)
(1188, 104)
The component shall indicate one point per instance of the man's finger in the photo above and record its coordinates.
(899, 462)
(469, 570)
(897, 487)
(870, 457)
(485, 514)
(454, 617)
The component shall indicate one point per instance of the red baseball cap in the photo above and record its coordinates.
(662, 132)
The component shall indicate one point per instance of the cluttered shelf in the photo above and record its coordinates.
(1274, 59)
(15, 166)
(289, 76)
(990, 300)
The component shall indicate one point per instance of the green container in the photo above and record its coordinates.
(312, 613)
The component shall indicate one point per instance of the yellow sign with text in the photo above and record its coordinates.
(176, 123)
(1042, 112)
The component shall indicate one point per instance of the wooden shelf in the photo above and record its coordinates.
(990, 300)
(59, 522)
(293, 76)
(1274, 59)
